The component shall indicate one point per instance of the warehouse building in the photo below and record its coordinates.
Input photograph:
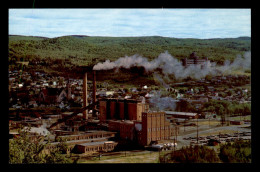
(94, 147)
(184, 115)
(85, 142)
(154, 127)
(125, 128)
(88, 135)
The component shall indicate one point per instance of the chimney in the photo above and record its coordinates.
(85, 95)
(69, 90)
(94, 91)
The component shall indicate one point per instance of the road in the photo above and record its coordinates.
(206, 130)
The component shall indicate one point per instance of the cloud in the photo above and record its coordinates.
(182, 23)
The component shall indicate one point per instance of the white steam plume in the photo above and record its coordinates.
(240, 63)
(162, 103)
(171, 65)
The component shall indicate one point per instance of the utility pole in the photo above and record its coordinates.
(228, 115)
(209, 121)
(176, 130)
(184, 125)
(174, 146)
(197, 131)
(175, 139)
(99, 154)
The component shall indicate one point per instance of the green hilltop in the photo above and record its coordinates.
(82, 50)
(86, 48)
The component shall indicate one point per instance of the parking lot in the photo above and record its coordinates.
(211, 130)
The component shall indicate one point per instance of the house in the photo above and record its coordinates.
(207, 115)
(210, 88)
(53, 95)
(105, 93)
(32, 103)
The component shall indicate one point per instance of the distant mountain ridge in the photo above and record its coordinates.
(240, 37)
(85, 50)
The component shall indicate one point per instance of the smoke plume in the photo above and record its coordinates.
(171, 65)
(240, 63)
(160, 80)
(157, 102)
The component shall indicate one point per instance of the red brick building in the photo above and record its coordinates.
(154, 128)
(126, 128)
(122, 109)
(53, 95)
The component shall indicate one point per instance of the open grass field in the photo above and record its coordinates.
(140, 158)
(211, 122)
(237, 118)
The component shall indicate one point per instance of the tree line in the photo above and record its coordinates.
(237, 152)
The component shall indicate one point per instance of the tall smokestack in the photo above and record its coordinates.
(94, 91)
(85, 95)
(69, 90)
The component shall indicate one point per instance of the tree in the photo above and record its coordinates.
(24, 150)
(210, 109)
(208, 77)
(230, 92)
(238, 152)
(247, 109)
(193, 154)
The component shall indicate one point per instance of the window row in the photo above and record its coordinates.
(158, 128)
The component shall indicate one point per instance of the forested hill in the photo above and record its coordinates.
(80, 50)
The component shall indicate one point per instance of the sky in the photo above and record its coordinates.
(116, 22)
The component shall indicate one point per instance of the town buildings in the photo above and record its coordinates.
(195, 60)
(126, 117)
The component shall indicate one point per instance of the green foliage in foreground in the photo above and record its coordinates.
(238, 152)
(193, 154)
(22, 150)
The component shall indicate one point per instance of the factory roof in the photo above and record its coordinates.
(122, 100)
(180, 113)
(88, 133)
(122, 121)
(84, 140)
(96, 143)
(39, 130)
